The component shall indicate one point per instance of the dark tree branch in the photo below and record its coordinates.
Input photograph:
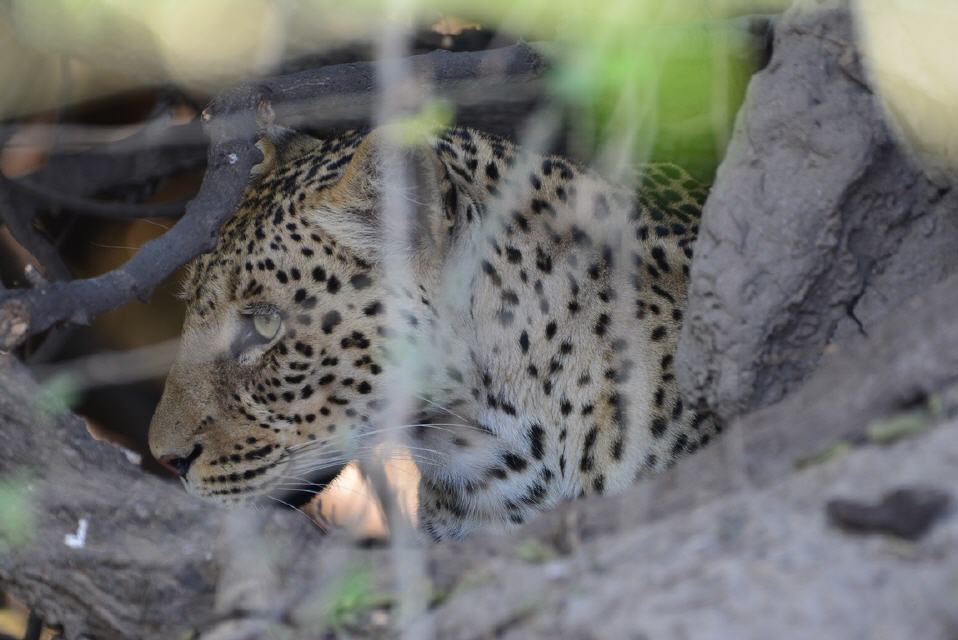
(471, 80)
(67, 178)
(232, 122)
(18, 218)
(492, 90)
(156, 151)
(98, 208)
(17, 214)
(230, 162)
(232, 127)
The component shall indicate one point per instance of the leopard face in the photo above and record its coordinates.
(282, 346)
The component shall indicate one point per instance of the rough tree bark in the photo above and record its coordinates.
(818, 223)
(155, 563)
(146, 557)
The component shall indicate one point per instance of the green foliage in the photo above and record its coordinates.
(353, 597)
(16, 519)
(58, 395)
(658, 93)
(651, 80)
(837, 450)
(535, 552)
(903, 425)
(431, 118)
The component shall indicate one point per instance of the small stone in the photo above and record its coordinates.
(14, 324)
(907, 512)
(132, 456)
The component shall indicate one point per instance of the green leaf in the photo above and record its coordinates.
(535, 552)
(432, 118)
(900, 426)
(353, 597)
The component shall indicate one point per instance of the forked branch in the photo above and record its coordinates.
(331, 96)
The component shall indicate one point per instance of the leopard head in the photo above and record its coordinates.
(284, 361)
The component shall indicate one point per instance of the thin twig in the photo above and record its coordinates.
(17, 215)
(83, 165)
(114, 367)
(34, 627)
(98, 208)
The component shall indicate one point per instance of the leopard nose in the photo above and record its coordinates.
(180, 465)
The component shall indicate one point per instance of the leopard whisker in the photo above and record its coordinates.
(439, 426)
(323, 466)
(360, 452)
(307, 467)
(305, 515)
(298, 487)
(315, 447)
(440, 407)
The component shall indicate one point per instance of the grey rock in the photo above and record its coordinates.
(817, 225)
(759, 563)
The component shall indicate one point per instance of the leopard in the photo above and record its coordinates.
(507, 317)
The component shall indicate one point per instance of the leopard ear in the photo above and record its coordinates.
(354, 210)
(279, 145)
(269, 161)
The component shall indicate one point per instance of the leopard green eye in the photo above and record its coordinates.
(267, 325)
(258, 327)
